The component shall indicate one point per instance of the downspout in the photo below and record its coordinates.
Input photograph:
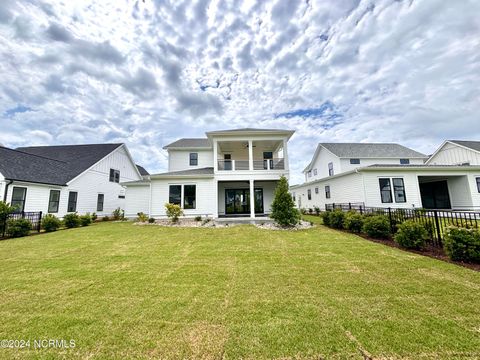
(150, 199)
(6, 190)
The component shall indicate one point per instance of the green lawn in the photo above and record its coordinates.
(124, 291)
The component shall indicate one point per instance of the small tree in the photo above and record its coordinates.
(283, 207)
(5, 210)
(174, 211)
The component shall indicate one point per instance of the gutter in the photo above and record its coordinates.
(6, 190)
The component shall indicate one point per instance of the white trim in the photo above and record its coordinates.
(450, 142)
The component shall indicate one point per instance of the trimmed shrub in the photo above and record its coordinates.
(317, 210)
(336, 219)
(51, 223)
(94, 216)
(326, 216)
(18, 227)
(353, 221)
(117, 214)
(151, 220)
(310, 211)
(71, 220)
(411, 235)
(376, 226)
(85, 220)
(198, 218)
(142, 217)
(462, 244)
(283, 206)
(174, 211)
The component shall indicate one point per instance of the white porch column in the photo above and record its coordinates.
(215, 155)
(215, 199)
(250, 155)
(285, 154)
(252, 198)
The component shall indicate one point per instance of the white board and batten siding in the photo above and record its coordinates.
(452, 154)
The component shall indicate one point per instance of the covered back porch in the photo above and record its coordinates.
(445, 192)
(245, 199)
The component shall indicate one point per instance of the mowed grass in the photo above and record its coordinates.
(124, 291)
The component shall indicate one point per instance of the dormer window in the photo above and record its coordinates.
(404, 161)
(330, 169)
(355, 161)
(193, 159)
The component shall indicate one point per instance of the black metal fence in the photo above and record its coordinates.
(35, 217)
(435, 221)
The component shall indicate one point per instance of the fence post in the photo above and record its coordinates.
(349, 206)
(437, 225)
(361, 210)
(390, 220)
(39, 226)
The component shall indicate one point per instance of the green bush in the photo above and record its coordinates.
(310, 211)
(94, 216)
(376, 226)
(51, 223)
(462, 244)
(105, 218)
(326, 216)
(353, 222)
(118, 214)
(5, 210)
(18, 227)
(411, 235)
(303, 211)
(85, 220)
(142, 217)
(283, 207)
(336, 219)
(151, 220)
(317, 210)
(71, 220)
(173, 211)
(198, 218)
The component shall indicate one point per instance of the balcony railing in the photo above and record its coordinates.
(266, 164)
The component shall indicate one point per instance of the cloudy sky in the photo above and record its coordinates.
(148, 72)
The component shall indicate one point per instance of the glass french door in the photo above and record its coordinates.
(237, 201)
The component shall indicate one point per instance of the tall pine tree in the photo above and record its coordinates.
(283, 207)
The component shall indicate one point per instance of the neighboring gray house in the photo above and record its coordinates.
(389, 175)
(67, 178)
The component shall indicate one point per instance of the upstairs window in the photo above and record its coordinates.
(309, 173)
(385, 190)
(330, 169)
(189, 196)
(18, 198)
(54, 201)
(399, 190)
(314, 172)
(404, 161)
(327, 192)
(100, 200)
(309, 194)
(478, 184)
(114, 176)
(354, 161)
(193, 159)
(175, 194)
(72, 201)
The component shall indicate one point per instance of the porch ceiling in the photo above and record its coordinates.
(235, 146)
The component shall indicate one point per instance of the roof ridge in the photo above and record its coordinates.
(64, 145)
(30, 154)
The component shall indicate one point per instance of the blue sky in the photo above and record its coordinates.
(146, 73)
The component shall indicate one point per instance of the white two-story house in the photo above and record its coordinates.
(67, 178)
(229, 173)
(391, 175)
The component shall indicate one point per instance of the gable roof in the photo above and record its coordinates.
(474, 145)
(189, 143)
(55, 165)
(142, 170)
(251, 130)
(367, 150)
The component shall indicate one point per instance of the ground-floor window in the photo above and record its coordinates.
(399, 190)
(293, 196)
(18, 198)
(100, 200)
(189, 196)
(175, 194)
(309, 194)
(385, 190)
(54, 201)
(327, 192)
(478, 184)
(316, 190)
(72, 201)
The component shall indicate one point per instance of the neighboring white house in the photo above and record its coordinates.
(68, 178)
(388, 175)
(221, 175)
(456, 152)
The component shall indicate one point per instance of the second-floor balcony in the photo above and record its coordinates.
(238, 165)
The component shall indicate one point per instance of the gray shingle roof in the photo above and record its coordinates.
(51, 164)
(474, 145)
(371, 150)
(244, 129)
(142, 170)
(190, 143)
(192, 172)
(401, 166)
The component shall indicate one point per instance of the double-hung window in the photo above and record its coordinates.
(316, 190)
(18, 198)
(309, 194)
(100, 200)
(72, 201)
(330, 169)
(189, 196)
(54, 201)
(399, 190)
(327, 192)
(193, 159)
(114, 176)
(385, 190)
(404, 161)
(478, 184)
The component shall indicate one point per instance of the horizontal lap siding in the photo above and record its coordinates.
(205, 196)
(180, 159)
(137, 199)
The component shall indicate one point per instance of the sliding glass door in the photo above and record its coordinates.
(237, 201)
